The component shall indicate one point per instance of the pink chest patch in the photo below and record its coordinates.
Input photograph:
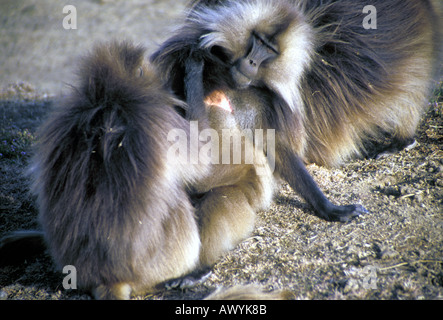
(219, 99)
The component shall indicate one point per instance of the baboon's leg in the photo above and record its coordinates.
(119, 291)
(226, 218)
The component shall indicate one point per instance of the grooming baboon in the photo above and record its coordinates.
(348, 85)
(119, 202)
(311, 70)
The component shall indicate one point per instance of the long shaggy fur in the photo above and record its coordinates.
(116, 203)
(110, 202)
(365, 83)
(347, 86)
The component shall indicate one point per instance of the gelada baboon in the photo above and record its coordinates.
(336, 76)
(121, 198)
(329, 81)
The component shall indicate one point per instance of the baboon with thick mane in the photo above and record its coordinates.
(311, 70)
(119, 202)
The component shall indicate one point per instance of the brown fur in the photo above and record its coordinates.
(109, 202)
(345, 87)
(364, 83)
(114, 203)
(256, 52)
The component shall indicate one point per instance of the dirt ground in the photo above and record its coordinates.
(395, 252)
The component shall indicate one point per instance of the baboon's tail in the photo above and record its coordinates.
(19, 246)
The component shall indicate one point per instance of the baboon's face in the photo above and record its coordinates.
(262, 44)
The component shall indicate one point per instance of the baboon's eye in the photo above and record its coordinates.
(263, 40)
